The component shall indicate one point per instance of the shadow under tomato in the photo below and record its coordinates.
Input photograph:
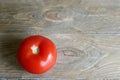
(9, 46)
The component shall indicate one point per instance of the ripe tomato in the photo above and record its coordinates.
(37, 54)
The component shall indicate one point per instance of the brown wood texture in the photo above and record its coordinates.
(86, 33)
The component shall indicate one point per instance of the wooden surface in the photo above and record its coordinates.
(86, 33)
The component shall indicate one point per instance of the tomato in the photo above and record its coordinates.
(37, 54)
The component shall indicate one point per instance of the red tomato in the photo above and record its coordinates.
(37, 54)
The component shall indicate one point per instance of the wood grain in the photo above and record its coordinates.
(86, 33)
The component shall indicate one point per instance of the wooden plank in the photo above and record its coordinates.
(85, 32)
(79, 55)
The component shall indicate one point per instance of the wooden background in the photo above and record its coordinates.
(86, 33)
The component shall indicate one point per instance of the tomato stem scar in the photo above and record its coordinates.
(35, 49)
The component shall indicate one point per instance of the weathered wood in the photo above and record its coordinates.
(85, 32)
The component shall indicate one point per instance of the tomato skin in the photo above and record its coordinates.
(40, 62)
